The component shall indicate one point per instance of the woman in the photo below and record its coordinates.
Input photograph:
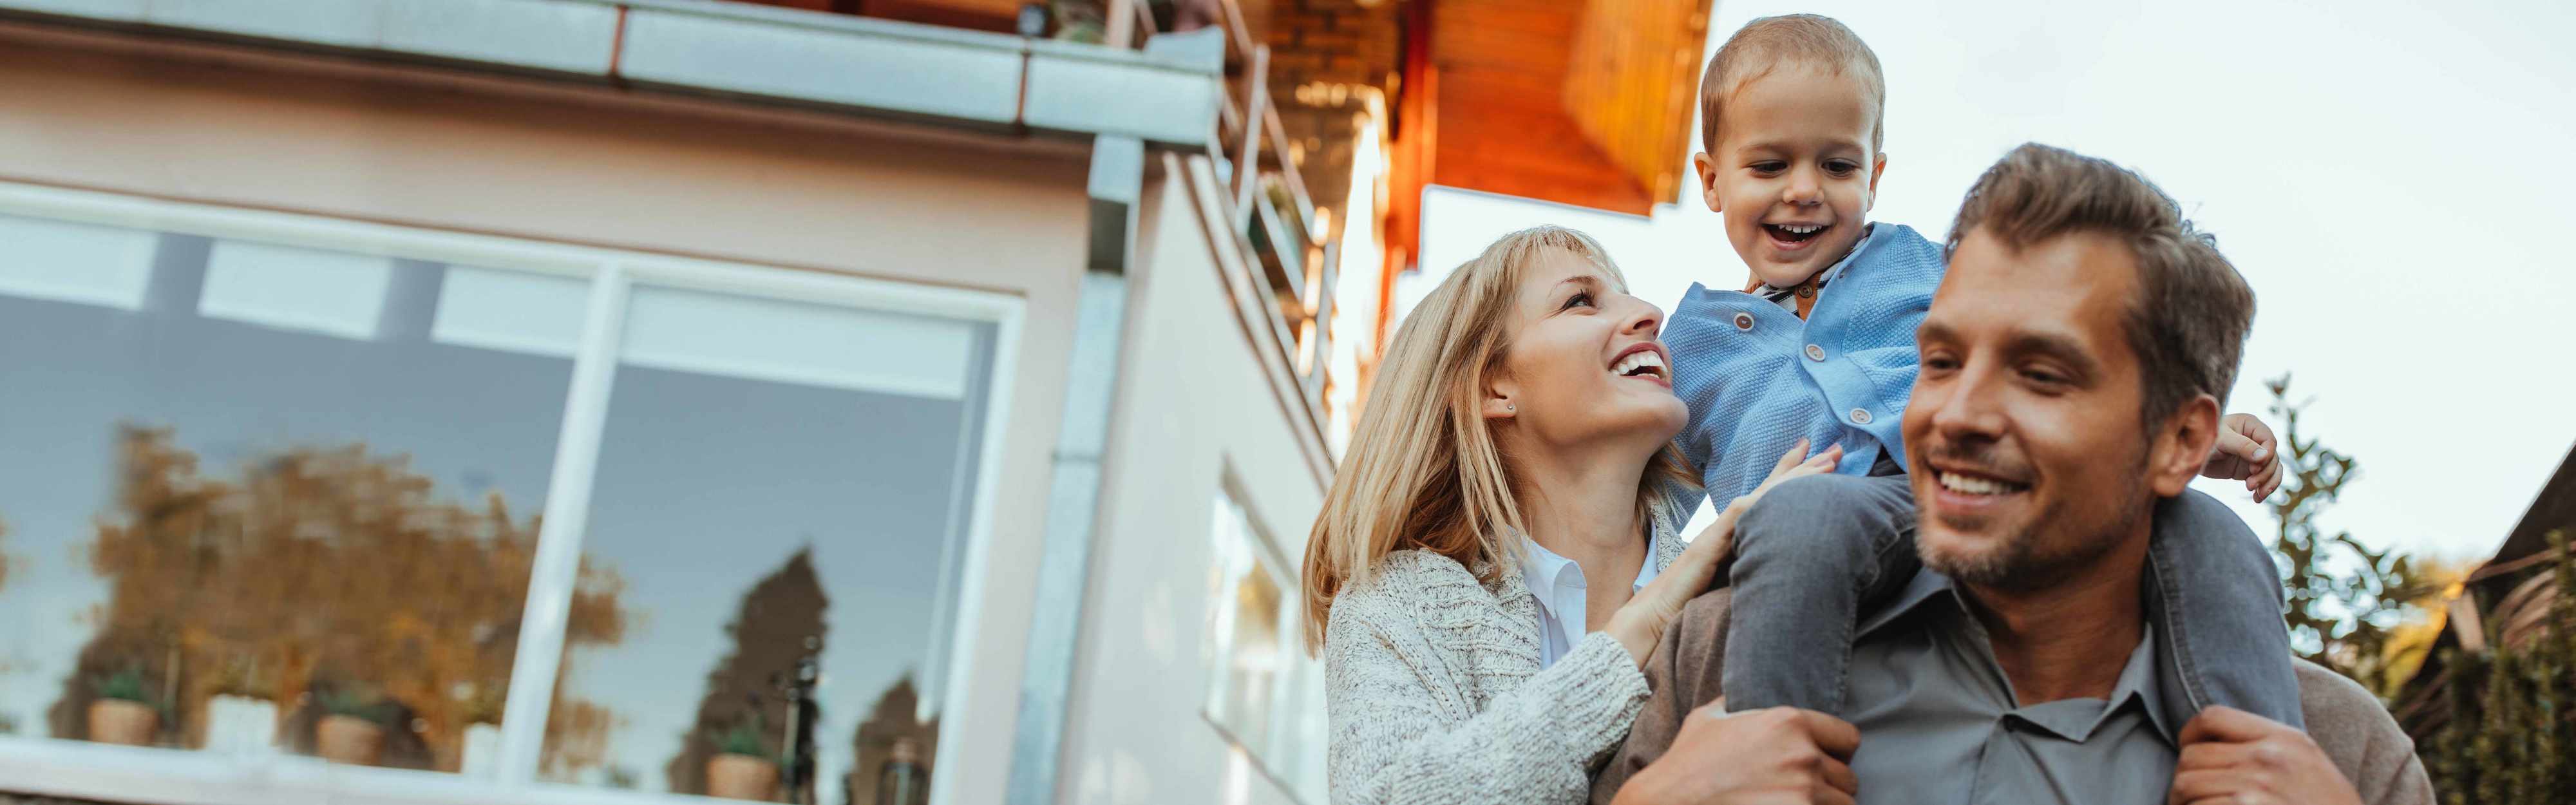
(1515, 445)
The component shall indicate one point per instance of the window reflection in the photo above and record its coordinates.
(259, 500)
(1247, 622)
(784, 488)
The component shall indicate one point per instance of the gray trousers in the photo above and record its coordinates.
(1817, 552)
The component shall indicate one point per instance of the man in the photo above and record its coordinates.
(2072, 365)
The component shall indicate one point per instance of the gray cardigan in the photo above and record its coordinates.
(1435, 694)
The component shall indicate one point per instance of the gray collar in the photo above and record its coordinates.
(1933, 601)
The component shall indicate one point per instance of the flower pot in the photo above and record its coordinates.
(733, 776)
(240, 724)
(117, 721)
(349, 739)
(482, 755)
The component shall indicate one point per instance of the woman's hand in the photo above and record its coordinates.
(1640, 623)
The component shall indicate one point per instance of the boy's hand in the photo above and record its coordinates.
(2246, 452)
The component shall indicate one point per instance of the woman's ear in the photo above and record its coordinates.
(1498, 401)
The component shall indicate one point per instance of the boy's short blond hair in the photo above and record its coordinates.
(1764, 44)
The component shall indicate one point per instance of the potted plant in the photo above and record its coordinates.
(353, 727)
(122, 713)
(743, 768)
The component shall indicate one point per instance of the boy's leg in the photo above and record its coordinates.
(2218, 609)
(1807, 559)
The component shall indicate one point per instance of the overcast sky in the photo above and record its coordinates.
(2388, 178)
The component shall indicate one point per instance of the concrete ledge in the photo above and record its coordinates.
(863, 66)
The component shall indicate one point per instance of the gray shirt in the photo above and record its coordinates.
(1940, 723)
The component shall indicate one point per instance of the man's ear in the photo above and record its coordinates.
(1706, 166)
(1877, 168)
(2182, 445)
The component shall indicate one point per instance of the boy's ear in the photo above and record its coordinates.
(1877, 167)
(2182, 446)
(1707, 169)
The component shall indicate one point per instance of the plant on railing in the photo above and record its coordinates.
(2511, 734)
(1084, 21)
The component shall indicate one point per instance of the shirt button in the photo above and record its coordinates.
(1744, 321)
(1860, 416)
(1815, 353)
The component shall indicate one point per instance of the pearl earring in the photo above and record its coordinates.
(1510, 407)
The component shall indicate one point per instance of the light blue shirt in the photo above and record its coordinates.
(1557, 583)
(1757, 378)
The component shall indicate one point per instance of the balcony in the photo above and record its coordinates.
(1104, 69)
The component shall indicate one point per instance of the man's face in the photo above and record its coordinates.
(1794, 172)
(2029, 456)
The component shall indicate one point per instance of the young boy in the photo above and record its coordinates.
(1821, 346)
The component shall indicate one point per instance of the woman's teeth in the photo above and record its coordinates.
(1639, 364)
(1972, 485)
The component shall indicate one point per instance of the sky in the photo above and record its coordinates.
(2386, 176)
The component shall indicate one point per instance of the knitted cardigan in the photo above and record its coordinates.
(1435, 695)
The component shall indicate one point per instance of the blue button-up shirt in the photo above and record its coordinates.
(1757, 378)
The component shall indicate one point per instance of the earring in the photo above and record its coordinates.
(1510, 407)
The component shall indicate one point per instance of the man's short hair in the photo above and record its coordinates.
(2192, 311)
(1764, 44)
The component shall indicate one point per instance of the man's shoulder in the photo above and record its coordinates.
(2337, 707)
(2355, 731)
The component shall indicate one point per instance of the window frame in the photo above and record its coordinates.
(50, 766)
(1299, 676)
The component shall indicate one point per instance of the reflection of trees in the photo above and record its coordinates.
(894, 718)
(780, 622)
(322, 570)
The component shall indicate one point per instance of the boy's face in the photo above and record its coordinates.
(1794, 172)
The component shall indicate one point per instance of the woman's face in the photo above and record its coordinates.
(1584, 368)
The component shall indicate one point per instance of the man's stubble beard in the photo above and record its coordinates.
(2026, 559)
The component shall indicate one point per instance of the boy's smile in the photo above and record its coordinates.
(1795, 172)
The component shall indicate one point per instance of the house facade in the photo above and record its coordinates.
(534, 401)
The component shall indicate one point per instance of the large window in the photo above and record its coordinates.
(295, 500)
(1263, 690)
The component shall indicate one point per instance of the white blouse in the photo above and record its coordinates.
(1557, 583)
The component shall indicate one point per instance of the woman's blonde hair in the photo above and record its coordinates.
(1423, 471)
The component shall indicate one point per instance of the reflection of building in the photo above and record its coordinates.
(1045, 346)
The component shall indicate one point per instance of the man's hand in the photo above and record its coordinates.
(2246, 451)
(1779, 756)
(2239, 758)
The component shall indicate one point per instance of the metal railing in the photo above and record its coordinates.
(1295, 250)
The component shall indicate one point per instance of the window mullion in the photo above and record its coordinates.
(557, 566)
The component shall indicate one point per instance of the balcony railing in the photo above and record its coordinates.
(1293, 249)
